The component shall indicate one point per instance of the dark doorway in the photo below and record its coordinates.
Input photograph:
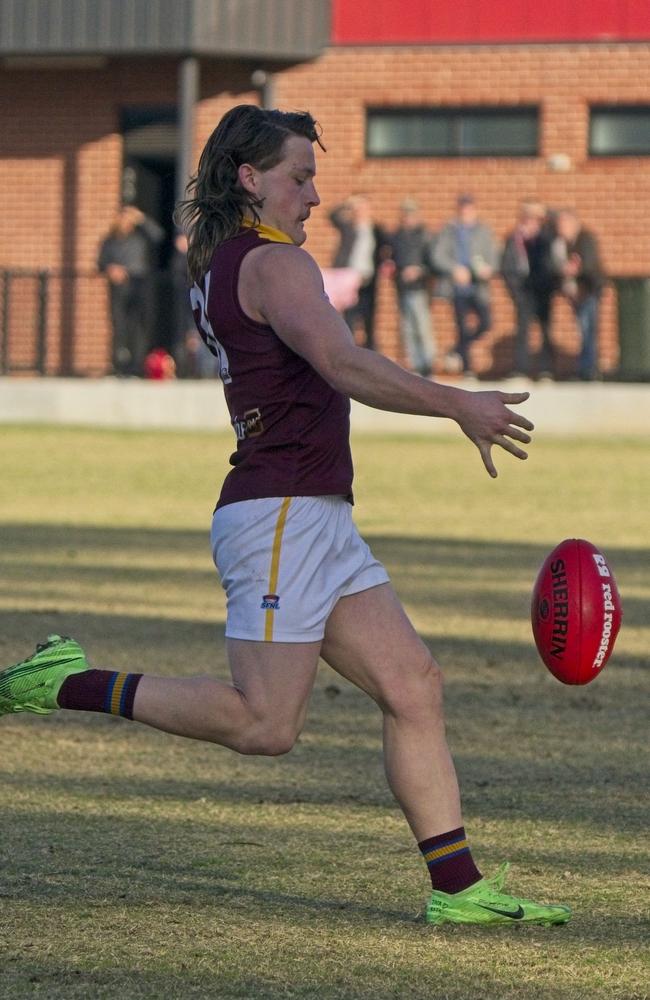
(148, 181)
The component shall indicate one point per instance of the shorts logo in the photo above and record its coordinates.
(270, 602)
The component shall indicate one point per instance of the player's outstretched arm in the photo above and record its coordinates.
(282, 286)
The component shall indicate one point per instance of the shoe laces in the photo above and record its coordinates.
(51, 641)
(497, 882)
(489, 888)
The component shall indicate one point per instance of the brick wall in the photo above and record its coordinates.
(61, 160)
(61, 156)
(609, 194)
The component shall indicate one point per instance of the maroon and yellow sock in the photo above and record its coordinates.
(100, 691)
(450, 861)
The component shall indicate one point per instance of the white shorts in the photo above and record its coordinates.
(285, 561)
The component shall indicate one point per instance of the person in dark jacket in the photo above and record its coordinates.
(466, 255)
(577, 261)
(126, 257)
(362, 247)
(411, 250)
(529, 278)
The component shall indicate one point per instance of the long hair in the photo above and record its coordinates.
(217, 202)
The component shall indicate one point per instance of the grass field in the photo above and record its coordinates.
(135, 864)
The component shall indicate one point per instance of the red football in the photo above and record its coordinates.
(576, 611)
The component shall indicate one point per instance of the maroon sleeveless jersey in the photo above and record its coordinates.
(292, 427)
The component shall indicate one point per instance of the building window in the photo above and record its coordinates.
(512, 131)
(623, 130)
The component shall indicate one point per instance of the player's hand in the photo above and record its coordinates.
(487, 421)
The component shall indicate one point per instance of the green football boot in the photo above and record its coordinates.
(33, 684)
(486, 903)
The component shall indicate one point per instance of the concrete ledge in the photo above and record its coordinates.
(596, 408)
(112, 402)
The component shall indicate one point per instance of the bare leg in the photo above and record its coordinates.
(262, 711)
(370, 640)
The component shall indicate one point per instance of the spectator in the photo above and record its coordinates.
(576, 259)
(193, 359)
(341, 286)
(126, 257)
(183, 329)
(528, 275)
(362, 247)
(466, 253)
(411, 249)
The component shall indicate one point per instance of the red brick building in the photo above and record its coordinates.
(542, 101)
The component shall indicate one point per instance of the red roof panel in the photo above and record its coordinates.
(384, 22)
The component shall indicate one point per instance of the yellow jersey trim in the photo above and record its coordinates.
(267, 232)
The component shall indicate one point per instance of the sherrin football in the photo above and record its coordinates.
(576, 611)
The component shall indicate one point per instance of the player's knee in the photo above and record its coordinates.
(416, 693)
(269, 739)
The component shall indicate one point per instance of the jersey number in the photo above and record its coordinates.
(199, 302)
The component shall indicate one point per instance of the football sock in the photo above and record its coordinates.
(100, 691)
(450, 861)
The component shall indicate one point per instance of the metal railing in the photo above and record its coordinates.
(58, 321)
(23, 321)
